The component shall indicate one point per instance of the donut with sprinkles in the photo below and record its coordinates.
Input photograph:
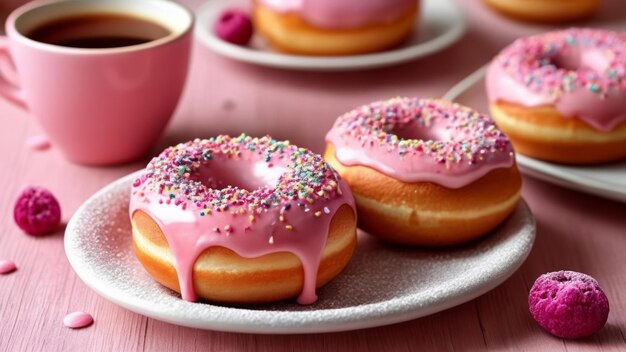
(425, 172)
(561, 96)
(242, 220)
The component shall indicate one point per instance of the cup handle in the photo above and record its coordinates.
(9, 90)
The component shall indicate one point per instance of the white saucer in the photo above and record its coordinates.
(607, 181)
(381, 285)
(441, 25)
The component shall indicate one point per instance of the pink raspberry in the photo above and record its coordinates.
(36, 211)
(234, 26)
(568, 304)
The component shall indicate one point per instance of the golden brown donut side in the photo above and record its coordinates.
(543, 133)
(289, 33)
(222, 276)
(545, 10)
(425, 213)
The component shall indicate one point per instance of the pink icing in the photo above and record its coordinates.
(415, 140)
(581, 72)
(252, 196)
(77, 320)
(7, 266)
(342, 14)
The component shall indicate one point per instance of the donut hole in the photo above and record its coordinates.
(567, 62)
(415, 131)
(589, 59)
(219, 174)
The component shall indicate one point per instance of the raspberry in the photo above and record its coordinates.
(234, 26)
(37, 211)
(568, 304)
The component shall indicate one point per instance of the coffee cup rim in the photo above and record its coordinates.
(14, 33)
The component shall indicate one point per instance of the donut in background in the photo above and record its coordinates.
(332, 27)
(545, 10)
(561, 96)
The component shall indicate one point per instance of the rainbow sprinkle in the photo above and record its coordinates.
(550, 63)
(174, 176)
(471, 136)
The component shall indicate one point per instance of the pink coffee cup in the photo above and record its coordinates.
(105, 105)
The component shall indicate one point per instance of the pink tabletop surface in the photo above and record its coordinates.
(574, 231)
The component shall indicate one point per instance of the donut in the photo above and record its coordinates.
(561, 96)
(330, 27)
(242, 220)
(425, 172)
(545, 10)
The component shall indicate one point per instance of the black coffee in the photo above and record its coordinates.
(98, 31)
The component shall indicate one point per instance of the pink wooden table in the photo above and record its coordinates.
(575, 231)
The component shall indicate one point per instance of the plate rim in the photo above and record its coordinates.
(546, 171)
(334, 63)
(134, 304)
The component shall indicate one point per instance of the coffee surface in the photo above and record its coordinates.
(98, 31)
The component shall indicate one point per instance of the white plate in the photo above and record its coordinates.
(381, 285)
(440, 25)
(608, 180)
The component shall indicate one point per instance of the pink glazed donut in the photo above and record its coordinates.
(561, 96)
(425, 172)
(333, 27)
(242, 220)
